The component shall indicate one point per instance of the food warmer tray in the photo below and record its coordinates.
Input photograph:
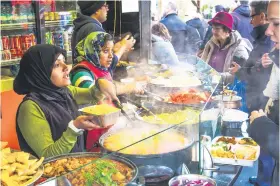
(231, 161)
(99, 155)
(39, 172)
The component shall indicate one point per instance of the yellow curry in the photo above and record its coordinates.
(98, 110)
(188, 115)
(168, 141)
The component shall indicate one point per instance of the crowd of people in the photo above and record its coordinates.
(242, 44)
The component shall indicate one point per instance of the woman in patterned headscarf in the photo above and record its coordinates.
(94, 61)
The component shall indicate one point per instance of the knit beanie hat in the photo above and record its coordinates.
(223, 18)
(90, 7)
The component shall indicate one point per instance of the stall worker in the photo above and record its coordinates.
(95, 60)
(92, 15)
(224, 45)
(264, 128)
(48, 122)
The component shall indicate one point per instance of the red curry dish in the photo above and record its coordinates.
(189, 97)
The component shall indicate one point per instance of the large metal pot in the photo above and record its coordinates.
(188, 127)
(230, 102)
(172, 160)
(191, 177)
(121, 159)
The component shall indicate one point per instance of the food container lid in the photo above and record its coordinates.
(234, 115)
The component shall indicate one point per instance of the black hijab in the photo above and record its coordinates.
(35, 71)
(57, 104)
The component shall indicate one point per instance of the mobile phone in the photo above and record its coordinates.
(239, 60)
(273, 57)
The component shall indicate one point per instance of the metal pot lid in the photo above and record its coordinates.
(227, 98)
(155, 174)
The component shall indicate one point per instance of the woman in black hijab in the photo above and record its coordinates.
(48, 121)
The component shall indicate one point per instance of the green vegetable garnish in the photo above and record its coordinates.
(101, 173)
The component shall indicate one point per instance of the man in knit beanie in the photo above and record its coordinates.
(92, 15)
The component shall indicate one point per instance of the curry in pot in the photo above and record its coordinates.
(97, 173)
(165, 142)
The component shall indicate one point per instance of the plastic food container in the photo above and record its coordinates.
(192, 179)
(235, 148)
(105, 115)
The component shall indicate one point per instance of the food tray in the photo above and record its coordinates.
(169, 103)
(155, 110)
(235, 161)
(104, 120)
(38, 173)
(118, 158)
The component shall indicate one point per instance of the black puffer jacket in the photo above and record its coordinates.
(266, 133)
(253, 69)
(83, 26)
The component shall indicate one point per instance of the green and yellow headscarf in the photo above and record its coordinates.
(89, 48)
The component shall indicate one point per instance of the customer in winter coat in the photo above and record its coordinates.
(252, 71)
(185, 39)
(198, 24)
(224, 45)
(265, 129)
(208, 33)
(162, 50)
(93, 14)
(241, 20)
(252, 68)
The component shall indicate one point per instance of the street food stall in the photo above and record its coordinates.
(185, 129)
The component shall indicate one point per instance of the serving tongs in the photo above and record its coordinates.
(120, 106)
(153, 95)
(142, 108)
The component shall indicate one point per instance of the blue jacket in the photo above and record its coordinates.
(253, 69)
(197, 24)
(206, 38)
(185, 39)
(163, 51)
(241, 21)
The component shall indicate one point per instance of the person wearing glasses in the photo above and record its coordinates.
(224, 45)
(253, 69)
(92, 15)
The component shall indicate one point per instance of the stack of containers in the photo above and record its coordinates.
(60, 38)
(14, 46)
